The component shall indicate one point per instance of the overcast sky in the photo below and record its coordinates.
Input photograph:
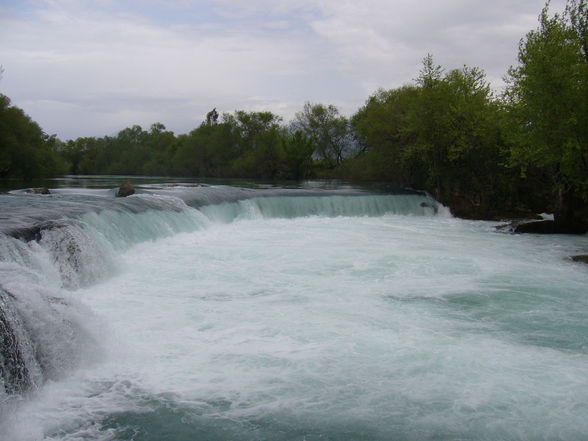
(94, 67)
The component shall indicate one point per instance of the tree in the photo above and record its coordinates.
(212, 117)
(205, 152)
(257, 144)
(577, 12)
(75, 152)
(547, 97)
(157, 146)
(442, 134)
(298, 150)
(430, 124)
(26, 152)
(329, 131)
(380, 127)
(247, 126)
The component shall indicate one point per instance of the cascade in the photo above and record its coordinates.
(214, 312)
(52, 245)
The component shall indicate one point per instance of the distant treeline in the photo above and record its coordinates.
(446, 132)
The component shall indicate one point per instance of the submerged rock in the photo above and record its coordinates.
(583, 258)
(125, 189)
(39, 190)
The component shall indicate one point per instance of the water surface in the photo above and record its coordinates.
(239, 313)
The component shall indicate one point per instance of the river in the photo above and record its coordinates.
(307, 312)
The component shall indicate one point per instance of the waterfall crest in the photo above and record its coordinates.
(50, 246)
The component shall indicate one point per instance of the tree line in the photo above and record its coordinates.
(446, 132)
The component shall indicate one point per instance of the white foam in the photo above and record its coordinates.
(411, 324)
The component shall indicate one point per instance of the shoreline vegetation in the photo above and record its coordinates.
(486, 156)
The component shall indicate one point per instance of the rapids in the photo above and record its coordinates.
(228, 313)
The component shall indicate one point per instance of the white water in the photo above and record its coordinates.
(388, 327)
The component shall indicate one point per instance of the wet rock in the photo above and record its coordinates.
(429, 205)
(125, 189)
(39, 190)
(14, 372)
(34, 232)
(510, 225)
(540, 227)
(583, 258)
(549, 227)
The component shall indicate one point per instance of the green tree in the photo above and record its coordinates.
(77, 155)
(158, 144)
(547, 98)
(205, 152)
(380, 127)
(430, 124)
(257, 149)
(26, 152)
(329, 131)
(476, 152)
(442, 134)
(264, 159)
(298, 150)
(248, 126)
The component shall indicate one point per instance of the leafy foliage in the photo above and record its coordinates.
(442, 134)
(26, 152)
(547, 100)
(242, 144)
(328, 130)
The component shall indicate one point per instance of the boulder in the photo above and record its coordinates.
(125, 189)
(581, 258)
(539, 227)
(549, 227)
(39, 190)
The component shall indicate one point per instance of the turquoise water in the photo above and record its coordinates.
(302, 318)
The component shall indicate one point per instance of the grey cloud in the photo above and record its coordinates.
(83, 70)
(393, 33)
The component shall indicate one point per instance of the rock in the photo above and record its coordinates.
(14, 371)
(429, 205)
(39, 190)
(125, 189)
(34, 232)
(549, 227)
(540, 227)
(510, 225)
(581, 258)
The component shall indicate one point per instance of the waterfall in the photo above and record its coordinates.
(51, 246)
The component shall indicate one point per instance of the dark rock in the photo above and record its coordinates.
(35, 231)
(14, 372)
(549, 227)
(466, 208)
(581, 258)
(429, 205)
(39, 190)
(125, 189)
(518, 216)
(510, 225)
(540, 227)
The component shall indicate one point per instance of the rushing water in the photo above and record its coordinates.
(228, 313)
